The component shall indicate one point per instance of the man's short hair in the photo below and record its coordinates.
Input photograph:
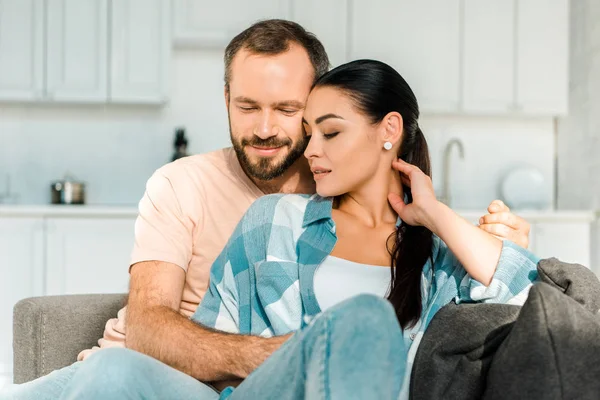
(273, 36)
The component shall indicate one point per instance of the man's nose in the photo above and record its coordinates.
(266, 127)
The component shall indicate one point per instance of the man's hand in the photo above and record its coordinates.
(503, 224)
(156, 328)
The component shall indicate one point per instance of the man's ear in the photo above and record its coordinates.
(226, 93)
(393, 127)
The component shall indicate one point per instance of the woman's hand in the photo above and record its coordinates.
(415, 213)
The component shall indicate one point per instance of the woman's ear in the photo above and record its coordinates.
(392, 126)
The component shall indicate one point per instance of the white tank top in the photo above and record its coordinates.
(338, 279)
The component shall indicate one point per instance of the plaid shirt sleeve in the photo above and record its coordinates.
(515, 273)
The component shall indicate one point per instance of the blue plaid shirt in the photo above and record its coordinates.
(262, 282)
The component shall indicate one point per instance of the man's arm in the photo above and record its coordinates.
(156, 328)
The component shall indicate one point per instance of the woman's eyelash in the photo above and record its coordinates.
(330, 135)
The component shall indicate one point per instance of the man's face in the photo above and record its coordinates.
(266, 101)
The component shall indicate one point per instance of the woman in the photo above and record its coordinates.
(375, 227)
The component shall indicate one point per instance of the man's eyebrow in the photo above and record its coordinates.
(289, 103)
(244, 99)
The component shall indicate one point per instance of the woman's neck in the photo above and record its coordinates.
(370, 203)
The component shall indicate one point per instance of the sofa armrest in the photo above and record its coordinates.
(49, 331)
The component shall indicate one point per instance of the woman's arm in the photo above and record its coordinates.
(477, 251)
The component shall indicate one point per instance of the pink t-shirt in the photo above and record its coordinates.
(189, 211)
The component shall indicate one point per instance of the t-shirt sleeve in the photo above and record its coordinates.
(162, 230)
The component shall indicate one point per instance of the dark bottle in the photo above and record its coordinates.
(180, 144)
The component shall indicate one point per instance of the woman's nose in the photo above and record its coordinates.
(313, 149)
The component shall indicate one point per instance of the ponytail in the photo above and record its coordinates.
(412, 244)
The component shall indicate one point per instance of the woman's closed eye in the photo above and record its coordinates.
(330, 135)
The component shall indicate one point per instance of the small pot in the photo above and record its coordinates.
(67, 191)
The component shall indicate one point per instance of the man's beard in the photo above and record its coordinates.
(267, 168)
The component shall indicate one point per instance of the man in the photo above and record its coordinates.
(192, 206)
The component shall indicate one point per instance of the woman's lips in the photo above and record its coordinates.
(320, 175)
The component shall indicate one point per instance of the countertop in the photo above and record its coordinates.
(41, 210)
(540, 215)
(49, 210)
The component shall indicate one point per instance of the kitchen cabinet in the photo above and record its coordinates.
(140, 51)
(542, 55)
(515, 57)
(21, 50)
(77, 34)
(567, 241)
(420, 39)
(21, 275)
(488, 56)
(209, 24)
(88, 255)
(85, 51)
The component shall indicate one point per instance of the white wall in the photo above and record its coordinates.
(116, 148)
(578, 143)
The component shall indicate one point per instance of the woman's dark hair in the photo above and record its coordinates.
(376, 89)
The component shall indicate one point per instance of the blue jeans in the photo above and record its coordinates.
(354, 350)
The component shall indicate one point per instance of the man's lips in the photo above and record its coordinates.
(265, 151)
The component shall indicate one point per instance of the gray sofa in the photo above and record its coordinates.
(470, 351)
(50, 331)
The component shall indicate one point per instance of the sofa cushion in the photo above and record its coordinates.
(552, 351)
(456, 351)
(574, 280)
(459, 344)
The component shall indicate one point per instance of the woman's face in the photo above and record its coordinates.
(344, 151)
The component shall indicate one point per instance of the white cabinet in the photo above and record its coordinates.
(208, 23)
(515, 57)
(88, 255)
(567, 241)
(328, 20)
(21, 275)
(85, 51)
(488, 56)
(77, 34)
(140, 51)
(21, 49)
(420, 39)
(542, 56)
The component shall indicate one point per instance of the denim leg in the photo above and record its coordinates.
(118, 373)
(48, 387)
(354, 350)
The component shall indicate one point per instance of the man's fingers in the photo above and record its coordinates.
(499, 230)
(504, 218)
(497, 206)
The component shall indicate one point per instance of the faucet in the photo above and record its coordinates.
(445, 197)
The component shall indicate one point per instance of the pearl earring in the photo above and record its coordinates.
(387, 145)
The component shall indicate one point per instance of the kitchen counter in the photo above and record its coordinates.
(42, 210)
(56, 210)
(540, 215)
